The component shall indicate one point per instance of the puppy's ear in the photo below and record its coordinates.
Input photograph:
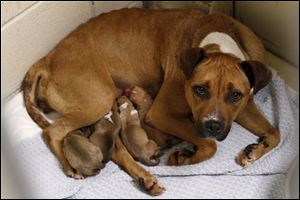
(258, 74)
(188, 60)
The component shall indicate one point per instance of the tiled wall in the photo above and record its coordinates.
(29, 30)
(10, 9)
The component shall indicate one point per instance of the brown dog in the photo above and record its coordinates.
(172, 58)
(134, 137)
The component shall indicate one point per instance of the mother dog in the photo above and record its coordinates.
(202, 70)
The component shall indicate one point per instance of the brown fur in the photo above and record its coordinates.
(219, 71)
(88, 151)
(79, 79)
(143, 101)
(134, 137)
(85, 157)
(105, 132)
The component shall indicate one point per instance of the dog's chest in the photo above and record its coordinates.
(225, 42)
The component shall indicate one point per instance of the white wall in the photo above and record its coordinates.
(106, 6)
(32, 33)
(277, 22)
(29, 30)
(10, 9)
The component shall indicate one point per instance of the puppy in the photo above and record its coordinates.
(134, 137)
(141, 99)
(85, 157)
(105, 131)
(143, 102)
(89, 149)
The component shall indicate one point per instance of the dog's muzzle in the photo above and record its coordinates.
(212, 128)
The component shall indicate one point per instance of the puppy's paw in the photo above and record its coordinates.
(151, 185)
(180, 157)
(78, 176)
(250, 154)
(154, 159)
(69, 171)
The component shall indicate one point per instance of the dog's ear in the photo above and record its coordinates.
(258, 74)
(188, 60)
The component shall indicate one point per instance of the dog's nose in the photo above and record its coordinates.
(214, 127)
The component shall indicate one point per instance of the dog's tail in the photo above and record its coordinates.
(29, 86)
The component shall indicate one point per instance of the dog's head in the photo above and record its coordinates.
(218, 86)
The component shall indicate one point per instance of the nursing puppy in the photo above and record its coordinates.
(105, 131)
(134, 137)
(85, 157)
(143, 102)
(88, 150)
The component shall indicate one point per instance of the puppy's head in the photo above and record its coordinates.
(218, 87)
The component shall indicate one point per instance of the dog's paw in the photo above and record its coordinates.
(151, 186)
(250, 154)
(180, 157)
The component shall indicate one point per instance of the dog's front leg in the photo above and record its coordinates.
(146, 180)
(170, 114)
(184, 129)
(251, 119)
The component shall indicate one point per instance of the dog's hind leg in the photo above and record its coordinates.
(123, 158)
(54, 134)
(80, 112)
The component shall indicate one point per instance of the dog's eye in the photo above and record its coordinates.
(200, 91)
(236, 96)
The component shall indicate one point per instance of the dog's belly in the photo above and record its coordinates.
(130, 51)
(151, 83)
(134, 67)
